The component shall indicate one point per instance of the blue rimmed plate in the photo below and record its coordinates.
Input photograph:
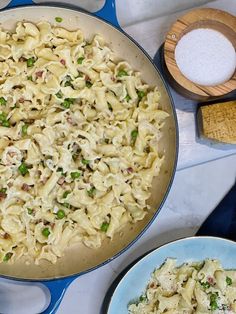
(135, 280)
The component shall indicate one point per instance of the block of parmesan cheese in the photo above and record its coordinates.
(218, 122)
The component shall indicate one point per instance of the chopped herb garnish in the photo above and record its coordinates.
(58, 19)
(46, 232)
(75, 175)
(23, 169)
(60, 214)
(30, 62)
(3, 101)
(88, 84)
(59, 94)
(122, 73)
(104, 226)
(134, 134)
(24, 129)
(65, 194)
(91, 192)
(85, 161)
(30, 211)
(7, 257)
(80, 60)
(213, 301)
(127, 98)
(30, 78)
(141, 94)
(229, 281)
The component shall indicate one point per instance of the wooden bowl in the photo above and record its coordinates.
(200, 18)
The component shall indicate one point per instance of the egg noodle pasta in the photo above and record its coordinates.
(198, 287)
(79, 134)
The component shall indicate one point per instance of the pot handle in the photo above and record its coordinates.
(57, 289)
(107, 12)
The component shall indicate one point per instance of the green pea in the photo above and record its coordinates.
(68, 83)
(7, 257)
(205, 285)
(85, 161)
(127, 98)
(80, 60)
(30, 211)
(59, 94)
(142, 298)
(213, 301)
(23, 169)
(88, 84)
(24, 129)
(3, 117)
(6, 123)
(75, 175)
(46, 232)
(134, 134)
(58, 19)
(65, 194)
(91, 192)
(229, 281)
(30, 62)
(104, 226)
(60, 214)
(66, 104)
(122, 73)
(3, 101)
(141, 94)
(3, 190)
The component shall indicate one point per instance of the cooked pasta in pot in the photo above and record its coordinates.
(199, 287)
(79, 136)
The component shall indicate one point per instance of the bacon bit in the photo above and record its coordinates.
(21, 100)
(52, 224)
(70, 121)
(2, 195)
(12, 154)
(63, 62)
(61, 180)
(210, 280)
(39, 74)
(44, 180)
(25, 187)
(22, 59)
(6, 236)
(130, 170)
(113, 78)
(86, 77)
(152, 285)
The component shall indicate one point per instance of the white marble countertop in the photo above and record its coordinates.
(183, 212)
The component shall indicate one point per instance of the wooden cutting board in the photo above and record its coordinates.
(217, 122)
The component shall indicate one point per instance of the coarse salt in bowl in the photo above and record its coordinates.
(206, 57)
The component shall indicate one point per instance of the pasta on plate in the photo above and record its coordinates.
(79, 134)
(199, 287)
